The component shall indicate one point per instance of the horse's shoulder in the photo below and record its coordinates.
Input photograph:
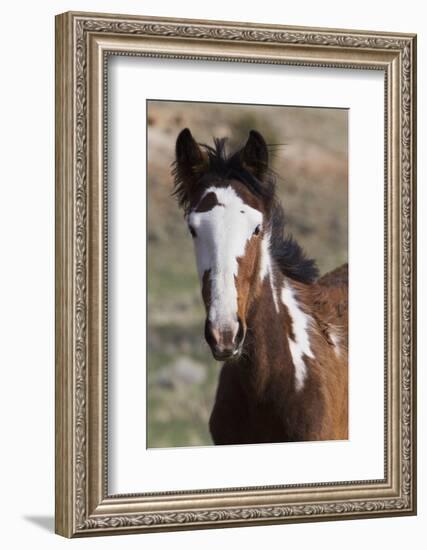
(335, 278)
(330, 303)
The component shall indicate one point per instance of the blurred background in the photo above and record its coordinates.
(311, 165)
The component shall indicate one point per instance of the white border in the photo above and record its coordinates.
(133, 468)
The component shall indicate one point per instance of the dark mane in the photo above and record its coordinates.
(223, 166)
(287, 253)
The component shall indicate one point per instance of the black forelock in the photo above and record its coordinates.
(224, 166)
(287, 253)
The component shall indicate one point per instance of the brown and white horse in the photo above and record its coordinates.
(281, 332)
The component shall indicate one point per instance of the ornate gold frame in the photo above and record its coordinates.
(83, 42)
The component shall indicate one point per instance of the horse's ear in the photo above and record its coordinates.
(254, 155)
(191, 160)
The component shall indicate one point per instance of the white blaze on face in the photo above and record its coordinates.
(300, 344)
(221, 237)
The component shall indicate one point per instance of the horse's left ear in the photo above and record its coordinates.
(254, 155)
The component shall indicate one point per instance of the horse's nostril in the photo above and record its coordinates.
(211, 335)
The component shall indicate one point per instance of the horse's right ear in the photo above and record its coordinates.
(254, 155)
(191, 160)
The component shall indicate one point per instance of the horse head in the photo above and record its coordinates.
(227, 200)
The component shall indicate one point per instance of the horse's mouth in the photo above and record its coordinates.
(228, 355)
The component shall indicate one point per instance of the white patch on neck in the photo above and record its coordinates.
(222, 234)
(266, 269)
(300, 345)
(336, 341)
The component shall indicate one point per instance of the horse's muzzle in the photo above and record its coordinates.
(225, 342)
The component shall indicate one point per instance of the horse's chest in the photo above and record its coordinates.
(265, 424)
(243, 414)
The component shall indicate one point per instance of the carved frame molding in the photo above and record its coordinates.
(83, 43)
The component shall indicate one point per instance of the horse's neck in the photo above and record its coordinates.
(270, 331)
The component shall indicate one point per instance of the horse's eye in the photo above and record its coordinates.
(192, 231)
(257, 230)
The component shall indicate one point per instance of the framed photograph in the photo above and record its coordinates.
(235, 274)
